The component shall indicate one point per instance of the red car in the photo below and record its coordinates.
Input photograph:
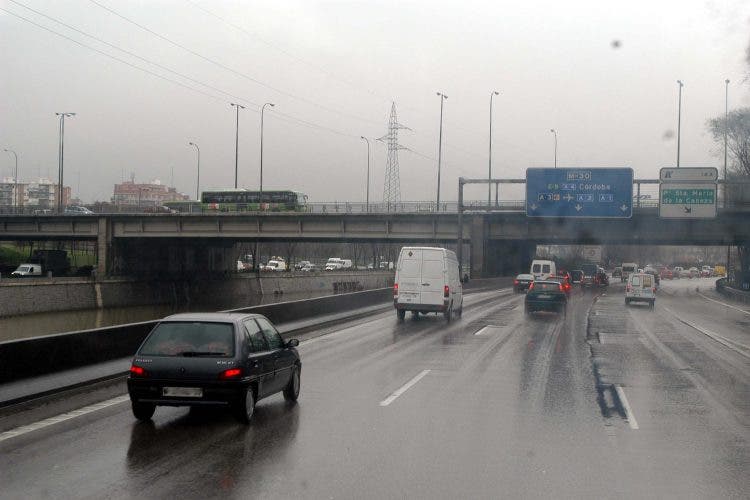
(564, 279)
(665, 273)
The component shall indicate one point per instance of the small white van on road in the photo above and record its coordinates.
(427, 280)
(543, 269)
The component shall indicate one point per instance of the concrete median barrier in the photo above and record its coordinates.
(47, 354)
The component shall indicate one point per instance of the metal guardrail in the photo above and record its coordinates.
(723, 288)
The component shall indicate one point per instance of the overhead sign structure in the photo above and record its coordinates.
(579, 192)
(687, 193)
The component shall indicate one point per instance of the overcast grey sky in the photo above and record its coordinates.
(337, 65)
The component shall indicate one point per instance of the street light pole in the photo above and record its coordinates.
(489, 172)
(260, 198)
(555, 132)
(443, 97)
(367, 197)
(679, 120)
(236, 139)
(726, 127)
(198, 179)
(61, 162)
(15, 177)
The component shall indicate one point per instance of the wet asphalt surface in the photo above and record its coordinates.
(604, 402)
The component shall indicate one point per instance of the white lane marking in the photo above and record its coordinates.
(725, 304)
(731, 344)
(390, 399)
(629, 416)
(487, 328)
(25, 429)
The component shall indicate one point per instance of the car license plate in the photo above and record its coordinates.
(182, 392)
(544, 296)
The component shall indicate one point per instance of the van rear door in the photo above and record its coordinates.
(410, 276)
(433, 277)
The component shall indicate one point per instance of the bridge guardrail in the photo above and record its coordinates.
(739, 295)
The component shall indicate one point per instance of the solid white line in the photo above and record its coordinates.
(731, 344)
(25, 429)
(632, 422)
(390, 399)
(725, 304)
(485, 329)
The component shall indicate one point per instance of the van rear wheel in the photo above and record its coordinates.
(448, 314)
(401, 314)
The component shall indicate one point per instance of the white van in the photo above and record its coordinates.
(427, 280)
(543, 269)
(641, 288)
(27, 270)
(334, 264)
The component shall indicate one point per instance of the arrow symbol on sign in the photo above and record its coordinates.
(688, 210)
(624, 207)
(567, 197)
(578, 207)
(533, 206)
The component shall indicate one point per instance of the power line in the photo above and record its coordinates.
(230, 69)
(111, 56)
(132, 54)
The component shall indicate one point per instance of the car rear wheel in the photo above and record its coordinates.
(627, 302)
(291, 393)
(401, 314)
(245, 406)
(143, 411)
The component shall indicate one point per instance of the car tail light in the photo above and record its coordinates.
(395, 289)
(446, 291)
(230, 373)
(628, 288)
(515, 282)
(531, 285)
(653, 289)
(567, 285)
(138, 371)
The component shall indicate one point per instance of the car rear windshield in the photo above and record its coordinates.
(190, 339)
(547, 287)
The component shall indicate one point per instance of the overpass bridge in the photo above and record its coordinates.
(497, 237)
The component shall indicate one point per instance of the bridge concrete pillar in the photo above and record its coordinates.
(478, 246)
(508, 257)
(103, 247)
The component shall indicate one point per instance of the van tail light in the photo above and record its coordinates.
(231, 373)
(629, 288)
(446, 291)
(395, 289)
(531, 285)
(138, 371)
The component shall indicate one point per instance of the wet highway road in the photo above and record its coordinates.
(607, 401)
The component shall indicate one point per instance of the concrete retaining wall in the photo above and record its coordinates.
(26, 358)
(732, 293)
(29, 296)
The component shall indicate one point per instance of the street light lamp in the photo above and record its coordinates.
(489, 172)
(679, 120)
(61, 162)
(236, 139)
(15, 177)
(367, 197)
(443, 97)
(555, 132)
(260, 198)
(198, 179)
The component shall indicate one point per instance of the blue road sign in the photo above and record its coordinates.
(579, 192)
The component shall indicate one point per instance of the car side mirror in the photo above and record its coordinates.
(292, 343)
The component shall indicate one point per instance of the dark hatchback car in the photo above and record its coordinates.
(227, 359)
(522, 282)
(546, 296)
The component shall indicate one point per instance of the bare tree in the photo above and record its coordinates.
(737, 127)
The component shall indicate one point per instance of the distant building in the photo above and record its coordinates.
(42, 193)
(144, 195)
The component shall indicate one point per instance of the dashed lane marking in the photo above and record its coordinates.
(629, 416)
(25, 429)
(390, 399)
(725, 304)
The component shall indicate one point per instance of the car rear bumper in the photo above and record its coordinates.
(546, 305)
(406, 306)
(150, 391)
